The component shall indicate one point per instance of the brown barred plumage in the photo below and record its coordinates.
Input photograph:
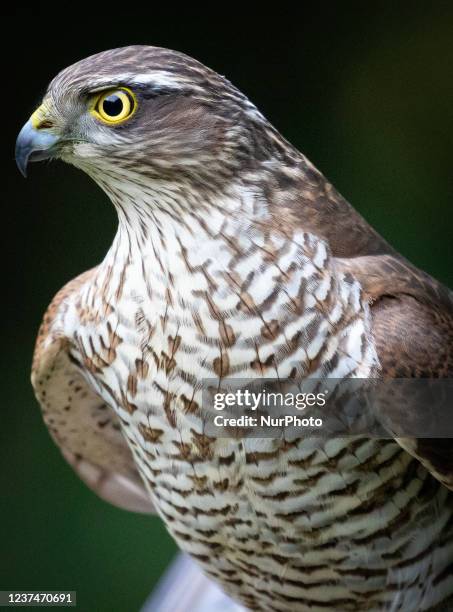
(236, 257)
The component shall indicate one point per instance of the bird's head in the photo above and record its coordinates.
(138, 113)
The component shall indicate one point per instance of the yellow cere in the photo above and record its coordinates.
(114, 106)
(39, 116)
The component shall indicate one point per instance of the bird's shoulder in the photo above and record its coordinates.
(82, 425)
(51, 331)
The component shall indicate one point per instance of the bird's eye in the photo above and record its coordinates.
(114, 106)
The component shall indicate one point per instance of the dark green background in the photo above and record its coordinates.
(366, 94)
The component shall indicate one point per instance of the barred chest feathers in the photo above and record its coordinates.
(210, 296)
(205, 298)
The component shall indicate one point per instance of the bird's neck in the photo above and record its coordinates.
(163, 228)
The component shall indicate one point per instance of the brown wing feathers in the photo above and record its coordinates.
(81, 424)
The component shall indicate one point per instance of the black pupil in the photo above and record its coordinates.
(112, 105)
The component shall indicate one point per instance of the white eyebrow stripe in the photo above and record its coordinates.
(160, 78)
(157, 78)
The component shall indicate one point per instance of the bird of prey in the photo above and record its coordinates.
(235, 257)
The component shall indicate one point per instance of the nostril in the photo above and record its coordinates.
(45, 124)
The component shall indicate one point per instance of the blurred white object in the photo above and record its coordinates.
(184, 588)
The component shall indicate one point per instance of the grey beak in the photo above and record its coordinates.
(33, 145)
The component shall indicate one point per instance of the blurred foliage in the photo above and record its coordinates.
(366, 94)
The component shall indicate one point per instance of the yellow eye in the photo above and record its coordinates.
(114, 106)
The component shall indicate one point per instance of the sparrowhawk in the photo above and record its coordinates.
(234, 256)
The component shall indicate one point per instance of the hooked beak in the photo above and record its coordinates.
(33, 142)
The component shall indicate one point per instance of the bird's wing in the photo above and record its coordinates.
(86, 430)
(412, 319)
